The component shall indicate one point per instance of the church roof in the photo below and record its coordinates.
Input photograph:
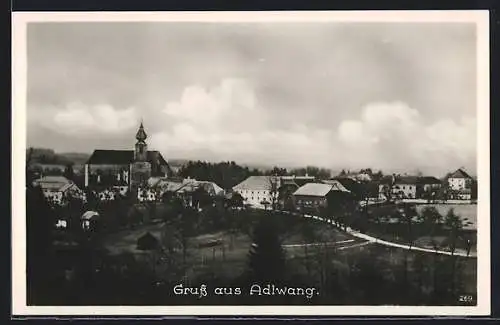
(121, 157)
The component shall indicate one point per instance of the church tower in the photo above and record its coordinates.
(140, 168)
(141, 148)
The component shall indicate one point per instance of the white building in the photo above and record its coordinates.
(257, 190)
(58, 188)
(459, 180)
(403, 187)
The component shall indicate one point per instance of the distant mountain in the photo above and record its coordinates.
(77, 158)
(50, 157)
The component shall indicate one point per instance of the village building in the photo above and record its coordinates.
(147, 242)
(460, 185)
(259, 191)
(459, 180)
(57, 189)
(398, 186)
(288, 185)
(405, 187)
(428, 187)
(185, 189)
(125, 169)
(313, 196)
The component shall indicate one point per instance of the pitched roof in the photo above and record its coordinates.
(52, 182)
(386, 179)
(67, 186)
(428, 180)
(168, 185)
(121, 157)
(347, 182)
(320, 189)
(459, 173)
(255, 183)
(53, 179)
(406, 180)
(190, 185)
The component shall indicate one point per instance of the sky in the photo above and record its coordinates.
(390, 96)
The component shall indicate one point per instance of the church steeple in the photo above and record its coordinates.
(141, 148)
(141, 134)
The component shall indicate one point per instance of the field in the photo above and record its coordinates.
(334, 261)
(466, 211)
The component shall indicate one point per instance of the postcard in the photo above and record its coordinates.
(251, 163)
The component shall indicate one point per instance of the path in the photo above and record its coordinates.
(340, 245)
(458, 252)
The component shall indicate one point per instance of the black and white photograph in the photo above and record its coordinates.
(251, 163)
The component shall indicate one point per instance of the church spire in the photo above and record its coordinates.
(141, 134)
(141, 148)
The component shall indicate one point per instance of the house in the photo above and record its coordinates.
(459, 180)
(58, 188)
(313, 196)
(183, 188)
(125, 167)
(405, 187)
(361, 176)
(428, 187)
(400, 186)
(288, 185)
(147, 242)
(461, 186)
(259, 191)
(362, 190)
(189, 185)
(146, 194)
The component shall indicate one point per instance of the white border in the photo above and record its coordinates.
(19, 76)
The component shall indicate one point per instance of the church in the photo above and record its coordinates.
(125, 170)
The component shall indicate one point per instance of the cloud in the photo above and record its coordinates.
(394, 135)
(77, 119)
(228, 122)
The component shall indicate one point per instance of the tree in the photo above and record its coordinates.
(309, 235)
(473, 187)
(431, 221)
(454, 225)
(68, 172)
(276, 171)
(187, 224)
(273, 192)
(40, 220)
(367, 282)
(406, 215)
(236, 200)
(266, 257)
(377, 176)
(201, 198)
